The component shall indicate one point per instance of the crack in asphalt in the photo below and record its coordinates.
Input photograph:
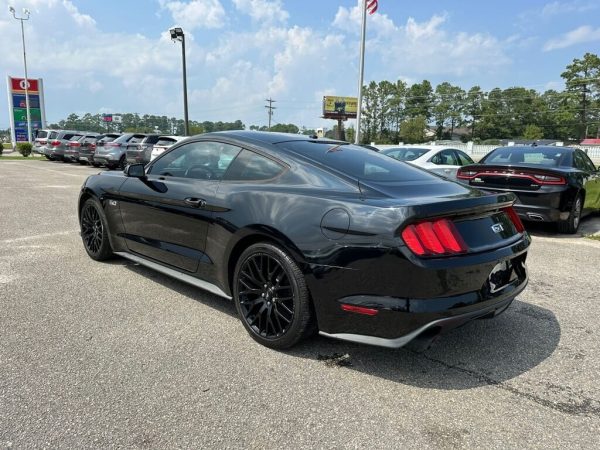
(580, 406)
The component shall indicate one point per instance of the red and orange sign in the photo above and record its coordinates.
(18, 85)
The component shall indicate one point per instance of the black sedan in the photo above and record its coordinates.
(552, 184)
(310, 234)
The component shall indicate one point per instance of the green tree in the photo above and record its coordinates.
(533, 132)
(473, 108)
(582, 78)
(419, 100)
(448, 109)
(412, 131)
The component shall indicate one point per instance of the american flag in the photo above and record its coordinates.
(371, 6)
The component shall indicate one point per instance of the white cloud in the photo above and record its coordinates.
(424, 48)
(561, 7)
(581, 35)
(83, 20)
(196, 13)
(263, 10)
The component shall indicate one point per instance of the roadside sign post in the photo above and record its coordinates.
(26, 107)
(340, 109)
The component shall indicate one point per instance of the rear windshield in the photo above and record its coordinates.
(41, 134)
(124, 138)
(166, 142)
(53, 134)
(75, 137)
(356, 162)
(151, 139)
(108, 138)
(405, 154)
(69, 136)
(540, 156)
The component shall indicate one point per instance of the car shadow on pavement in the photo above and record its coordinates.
(214, 301)
(483, 352)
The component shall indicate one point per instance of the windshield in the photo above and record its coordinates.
(539, 156)
(405, 154)
(356, 162)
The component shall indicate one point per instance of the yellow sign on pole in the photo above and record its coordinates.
(339, 107)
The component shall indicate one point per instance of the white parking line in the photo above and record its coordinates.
(38, 236)
(48, 170)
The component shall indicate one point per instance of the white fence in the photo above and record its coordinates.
(469, 148)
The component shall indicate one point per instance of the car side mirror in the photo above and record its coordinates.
(135, 171)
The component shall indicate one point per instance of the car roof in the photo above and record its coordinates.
(532, 147)
(266, 137)
(424, 147)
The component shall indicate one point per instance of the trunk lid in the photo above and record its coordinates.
(482, 220)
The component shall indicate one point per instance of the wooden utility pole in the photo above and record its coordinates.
(270, 107)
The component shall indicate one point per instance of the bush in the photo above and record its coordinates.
(24, 148)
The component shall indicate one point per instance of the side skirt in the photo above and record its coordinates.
(205, 285)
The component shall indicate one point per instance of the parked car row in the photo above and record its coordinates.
(113, 150)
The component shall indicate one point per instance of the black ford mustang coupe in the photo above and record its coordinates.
(552, 184)
(310, 234)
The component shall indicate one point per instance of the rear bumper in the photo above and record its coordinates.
(71, 156)
(546, 205)
(413, 298)
(137, 157)
(539, 213)
(430, 330)
(105, 159)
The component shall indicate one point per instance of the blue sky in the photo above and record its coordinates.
(116, 56)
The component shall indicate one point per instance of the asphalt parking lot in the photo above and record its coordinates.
(111, 355)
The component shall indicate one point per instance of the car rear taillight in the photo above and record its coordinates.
(112, 144)
(549, 179)
(434, 238)
(92, 147)
(537, 177)
(74, 144)
(465, 174)
(55, 143)
(515, 219)
(43, 142)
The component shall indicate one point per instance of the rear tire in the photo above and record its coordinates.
(571, 225)
(271, 297)
(94, 231)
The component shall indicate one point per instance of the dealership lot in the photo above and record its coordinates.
(113, 354)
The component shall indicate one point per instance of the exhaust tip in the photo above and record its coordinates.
(534, 216)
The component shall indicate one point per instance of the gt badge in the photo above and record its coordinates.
(497, 228)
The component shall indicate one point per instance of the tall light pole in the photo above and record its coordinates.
(178, 35)
(23, 18)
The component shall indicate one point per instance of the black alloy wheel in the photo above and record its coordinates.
(271, 296)
(94, 232)
(571, 224)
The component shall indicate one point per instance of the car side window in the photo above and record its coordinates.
(445, 158)
(583, 162)
(250, 166)
(463, 158)
(202, 160)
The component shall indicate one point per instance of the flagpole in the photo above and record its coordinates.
(361, 70)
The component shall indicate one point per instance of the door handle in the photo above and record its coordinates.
(196, 202)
